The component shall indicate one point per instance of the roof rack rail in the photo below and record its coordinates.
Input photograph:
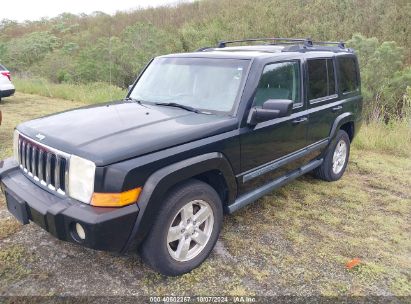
(340, 44)
(204, 49)
(308, 42)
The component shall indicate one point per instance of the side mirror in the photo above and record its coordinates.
(130, 87)
(272, 108)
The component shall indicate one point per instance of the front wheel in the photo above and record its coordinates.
(336, 158)
(185, 230)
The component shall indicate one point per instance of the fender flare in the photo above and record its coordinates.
(161, 181)
(339, 121)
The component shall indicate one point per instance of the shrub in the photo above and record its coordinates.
(385, 78)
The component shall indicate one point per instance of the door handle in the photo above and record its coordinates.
(299, 120)
(337, 108)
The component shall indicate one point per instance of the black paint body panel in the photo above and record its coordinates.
(155, 147)
(106, 229)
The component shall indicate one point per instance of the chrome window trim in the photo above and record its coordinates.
(325, 98)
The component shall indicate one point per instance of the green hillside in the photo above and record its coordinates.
(113, 49)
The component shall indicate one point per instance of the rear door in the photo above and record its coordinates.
(322, 96)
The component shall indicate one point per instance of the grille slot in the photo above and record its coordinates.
(44, 165)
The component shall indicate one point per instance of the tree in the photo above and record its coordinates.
(385, 77)
(29, 49)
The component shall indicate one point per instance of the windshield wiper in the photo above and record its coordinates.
(132, 99)
(177, 105)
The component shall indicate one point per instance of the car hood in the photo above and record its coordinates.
(112, 132)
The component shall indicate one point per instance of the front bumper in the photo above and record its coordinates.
(106, 229)
(7, 93)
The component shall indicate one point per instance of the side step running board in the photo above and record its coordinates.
(254, 195)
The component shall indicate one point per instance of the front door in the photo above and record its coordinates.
(266, 147)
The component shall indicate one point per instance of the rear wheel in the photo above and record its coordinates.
(336, 158)
(186, 229)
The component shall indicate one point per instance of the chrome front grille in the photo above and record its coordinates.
(46, 166)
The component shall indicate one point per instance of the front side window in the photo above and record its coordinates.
(348, 74)
(201, 83)
(279, 81)
(321, 79)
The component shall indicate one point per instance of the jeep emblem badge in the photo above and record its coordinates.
(40, 136)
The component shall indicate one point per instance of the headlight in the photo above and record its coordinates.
(81, 179)
(16, 145)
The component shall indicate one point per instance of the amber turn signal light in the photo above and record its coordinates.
(115, 199)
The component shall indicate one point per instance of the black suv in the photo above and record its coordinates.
(199, 134)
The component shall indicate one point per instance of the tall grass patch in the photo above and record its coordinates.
(393, 138)
(87, 93)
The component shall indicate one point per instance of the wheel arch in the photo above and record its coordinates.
(217, 181)
(344, 122)
(211, 168)
(348, 127)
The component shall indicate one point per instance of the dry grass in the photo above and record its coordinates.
(23, 107)
(295, 241)
(8, 227)
(13, 263)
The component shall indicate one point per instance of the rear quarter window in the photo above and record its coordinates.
(2, 68)
(348, 73)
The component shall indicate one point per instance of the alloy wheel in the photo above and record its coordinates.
(340, 156)
(190, 230)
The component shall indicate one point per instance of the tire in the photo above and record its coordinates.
(333, 169)
(175, 226)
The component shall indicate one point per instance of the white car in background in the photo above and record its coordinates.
(6, 87)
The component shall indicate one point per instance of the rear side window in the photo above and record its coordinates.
(279, 81)
(321, 79)
(348, 74)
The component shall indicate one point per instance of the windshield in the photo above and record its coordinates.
(200, 83)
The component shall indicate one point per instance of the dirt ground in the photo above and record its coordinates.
(295, 241)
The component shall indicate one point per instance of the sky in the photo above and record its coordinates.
(21, 10)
